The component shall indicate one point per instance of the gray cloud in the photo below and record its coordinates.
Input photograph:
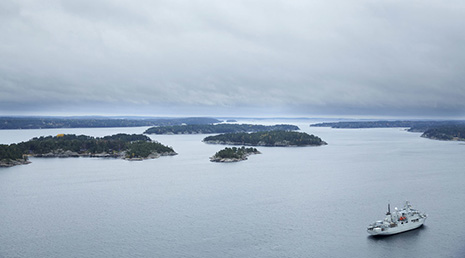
(220, 57)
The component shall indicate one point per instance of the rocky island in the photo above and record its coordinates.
(233, 154)
(218, 128)
(124, 146)
(271, 138)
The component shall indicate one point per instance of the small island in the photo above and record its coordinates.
(218, 128)
(233, 154)
(271, 138)
(124, 146)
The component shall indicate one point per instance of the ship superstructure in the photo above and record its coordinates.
(398, 221)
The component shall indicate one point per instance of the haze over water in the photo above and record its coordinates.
(285, 202)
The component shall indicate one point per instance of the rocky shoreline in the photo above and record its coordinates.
(118, 155)
(71, 154)
(454, 139)
(11, 163)
(276, 144)
(230, 160)
(227, 160)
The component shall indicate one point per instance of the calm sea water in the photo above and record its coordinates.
(286, 202)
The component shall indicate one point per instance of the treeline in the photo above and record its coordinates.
(134, 146)
(270, 138)
(141, 149)
(450, 132)
(234, 153)
(10, 152)
(217, 128)
(47, 122)
(415, 126)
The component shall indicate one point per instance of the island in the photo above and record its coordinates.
(233, 154)
(446, 133)
(218, 128)
(269, 138)
(124, 146)
(93, 122)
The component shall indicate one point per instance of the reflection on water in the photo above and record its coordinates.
(406, 243)
(409, 235)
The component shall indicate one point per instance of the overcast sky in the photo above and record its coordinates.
(213, 57)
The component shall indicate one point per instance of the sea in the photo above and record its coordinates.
(285, 202)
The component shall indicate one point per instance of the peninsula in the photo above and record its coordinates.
(233, 154)
(125, 146)
(218, 128)
(271, 138)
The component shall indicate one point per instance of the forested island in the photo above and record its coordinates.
(270, 138)
(131, 147)
(218, 128)
(414, 126)
(446, 133)
(91, 122)
(233, 154)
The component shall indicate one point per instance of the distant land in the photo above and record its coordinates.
(125, 146)
(233, 154)
(414, 126)
(270, 138)
(217, 128)
(452, 130)
(89, 122)
(446, 133)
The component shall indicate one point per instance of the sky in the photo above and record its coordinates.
(233, 58)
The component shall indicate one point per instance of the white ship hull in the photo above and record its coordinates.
(397, 222)
(398, 229)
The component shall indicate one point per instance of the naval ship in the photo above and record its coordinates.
(397, 222)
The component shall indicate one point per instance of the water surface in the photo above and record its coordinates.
(286, 202)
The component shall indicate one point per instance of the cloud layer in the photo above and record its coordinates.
(226, 57)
